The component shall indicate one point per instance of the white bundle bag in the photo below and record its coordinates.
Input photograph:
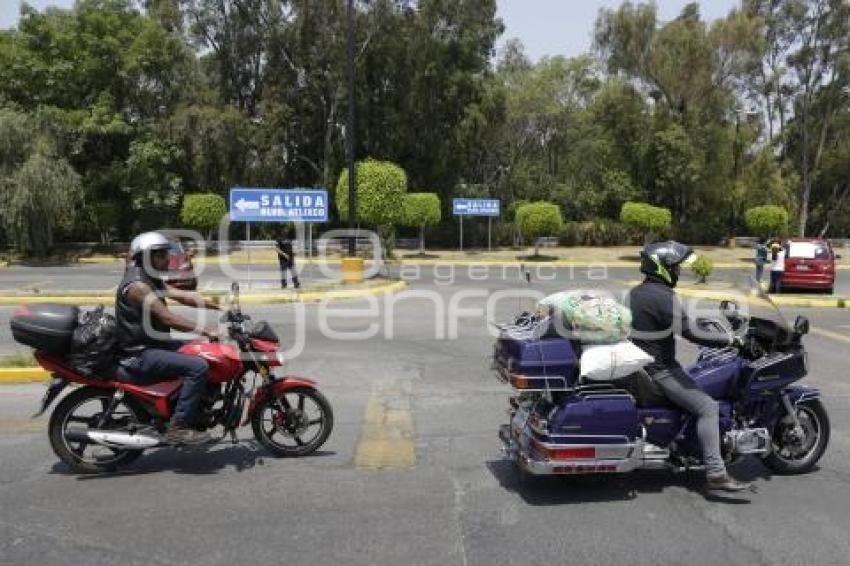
(607, 362)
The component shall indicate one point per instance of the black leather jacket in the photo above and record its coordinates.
(657, 317)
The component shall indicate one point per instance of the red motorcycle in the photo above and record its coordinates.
(108, 423)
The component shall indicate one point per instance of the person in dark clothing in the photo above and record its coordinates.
(657, 317)
(761, 258)
(146, 351)
(286, 258)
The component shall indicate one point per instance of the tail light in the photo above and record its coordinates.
(567, 452)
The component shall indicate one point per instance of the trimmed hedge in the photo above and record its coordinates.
(536, 219)
(767, 220)
(381, 186)
(646, 218)
(203, 211)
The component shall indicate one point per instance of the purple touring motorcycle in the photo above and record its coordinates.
(559, 425)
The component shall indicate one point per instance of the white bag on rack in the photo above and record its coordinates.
(606, 362)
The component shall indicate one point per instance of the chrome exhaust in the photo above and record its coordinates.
(114, 439)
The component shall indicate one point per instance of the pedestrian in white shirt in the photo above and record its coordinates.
(777, 268)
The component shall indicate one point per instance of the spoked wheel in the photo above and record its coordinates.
(294, 424)
(797, 451)
(83, 410)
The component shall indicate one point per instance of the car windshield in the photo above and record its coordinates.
(808, 250)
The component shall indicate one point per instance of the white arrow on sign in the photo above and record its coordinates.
(244, 205)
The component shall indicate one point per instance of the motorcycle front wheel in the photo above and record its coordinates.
(797, 452)
(77, 413)
(295, 424)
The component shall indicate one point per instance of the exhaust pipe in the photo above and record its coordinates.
(115, 439)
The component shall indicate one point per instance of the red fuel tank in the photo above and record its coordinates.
(224, 361)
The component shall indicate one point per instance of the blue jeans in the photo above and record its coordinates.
(759, 271)
(156, 364)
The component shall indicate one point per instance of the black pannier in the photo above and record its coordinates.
(93, 345)
(48, 327)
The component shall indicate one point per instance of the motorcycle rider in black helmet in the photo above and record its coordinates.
(146, 351)
(657, 316)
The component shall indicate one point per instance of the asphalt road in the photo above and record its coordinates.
(460, 504)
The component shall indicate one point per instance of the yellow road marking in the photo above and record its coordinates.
(386, 442)
(830, 334)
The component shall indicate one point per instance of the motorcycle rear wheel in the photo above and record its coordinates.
(792, 454)
(76, 454)
(282, 431)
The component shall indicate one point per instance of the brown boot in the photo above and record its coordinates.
(179, 433)
(727, 483)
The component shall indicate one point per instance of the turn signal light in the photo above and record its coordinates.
(519, 381)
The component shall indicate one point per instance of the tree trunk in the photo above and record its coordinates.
(422, 240)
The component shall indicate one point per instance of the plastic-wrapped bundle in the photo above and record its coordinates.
(94, 343)
(593, 317)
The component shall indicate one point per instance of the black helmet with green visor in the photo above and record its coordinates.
(663, 260)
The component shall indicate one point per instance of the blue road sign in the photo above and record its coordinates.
(475, 207)
(278, 205)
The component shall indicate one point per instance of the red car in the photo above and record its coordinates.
(809, 264)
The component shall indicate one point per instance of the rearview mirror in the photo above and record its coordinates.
(801, 325)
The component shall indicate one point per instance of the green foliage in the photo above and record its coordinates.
(646, 218)
(536, 219)
(148, 101)
(37, 198)
(421, 209)
(203, 211)
(702, 268)
(381, 187)
(767, 220)
(597, 232)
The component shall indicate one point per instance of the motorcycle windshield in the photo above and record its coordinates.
(758, 305)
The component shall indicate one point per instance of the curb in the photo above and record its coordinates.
(800, 302)
(253, 299)
(23, 375)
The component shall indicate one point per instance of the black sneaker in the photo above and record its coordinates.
(179, 433)
(727, 483)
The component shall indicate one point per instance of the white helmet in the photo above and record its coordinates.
(148, 242)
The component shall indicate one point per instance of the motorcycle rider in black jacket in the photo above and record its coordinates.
(657, 316)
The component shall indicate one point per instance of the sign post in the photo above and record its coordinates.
(489, 233)
(476, 207)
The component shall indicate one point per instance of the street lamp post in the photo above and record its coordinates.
(349, 137)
